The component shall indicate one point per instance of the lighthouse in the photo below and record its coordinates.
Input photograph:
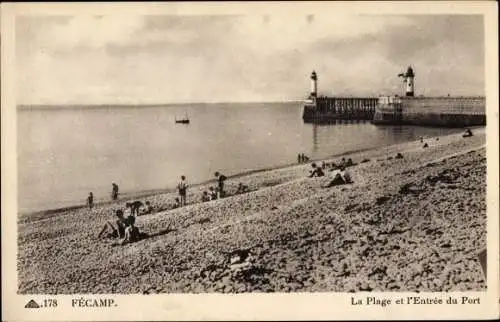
(409, 79)
(410, 85)
(314, 85)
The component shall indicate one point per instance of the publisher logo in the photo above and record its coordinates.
(32, 305)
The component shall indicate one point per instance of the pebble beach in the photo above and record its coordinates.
(414, 223)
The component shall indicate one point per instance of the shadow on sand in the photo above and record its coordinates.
(159, 233)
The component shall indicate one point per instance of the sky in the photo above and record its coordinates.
(159, 59)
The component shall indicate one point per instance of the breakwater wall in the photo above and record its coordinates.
(331, 109)
(431, 111)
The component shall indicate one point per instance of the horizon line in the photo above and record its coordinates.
(148, 104)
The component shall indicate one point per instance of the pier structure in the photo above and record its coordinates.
(458, 111)
(326, 109)
(454, 111)
(449, 111)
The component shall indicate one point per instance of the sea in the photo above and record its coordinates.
(65, 152)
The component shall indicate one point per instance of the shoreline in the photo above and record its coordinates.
(131, 195)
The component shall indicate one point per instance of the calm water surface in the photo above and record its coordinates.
(63, 154)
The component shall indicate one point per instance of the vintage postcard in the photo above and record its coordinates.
(250, 161)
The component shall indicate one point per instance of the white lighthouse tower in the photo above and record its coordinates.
(409, 79)
(314, 85)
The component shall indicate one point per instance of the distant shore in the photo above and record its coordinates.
(410, 224)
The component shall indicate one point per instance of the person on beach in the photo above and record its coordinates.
(134, 207)
(124, 228)
(299, 158)
(182, 187)
(147, 209)
(316, 171)
(341, 177)
(467, 133)
(349, 162)
(344, 174)
(127, 225)
(205, 196)
(220, 179)
(242, 188)
(112, 231)
(114, 191)
(90, 200)
(213, 193)
(177, 203)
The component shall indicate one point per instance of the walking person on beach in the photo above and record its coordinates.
(220, 178)
(182, 187)
(114, 191)
(90, 200)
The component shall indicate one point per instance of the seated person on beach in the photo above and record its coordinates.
(127, 225)
(467, 133)
(110, 230)
(242, 188)
(213, 193)
(316, 171)
(205, 197)
(147, 209)
(340, 178)
(134, 207)
(131, 232)
(349, 162)
(332, 165)
(122, 229)
(177, 203)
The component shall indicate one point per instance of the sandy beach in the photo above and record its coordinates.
(410, 224)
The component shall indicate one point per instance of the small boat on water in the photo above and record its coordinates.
(184, 120)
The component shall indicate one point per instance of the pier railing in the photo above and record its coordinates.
(326, 109)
